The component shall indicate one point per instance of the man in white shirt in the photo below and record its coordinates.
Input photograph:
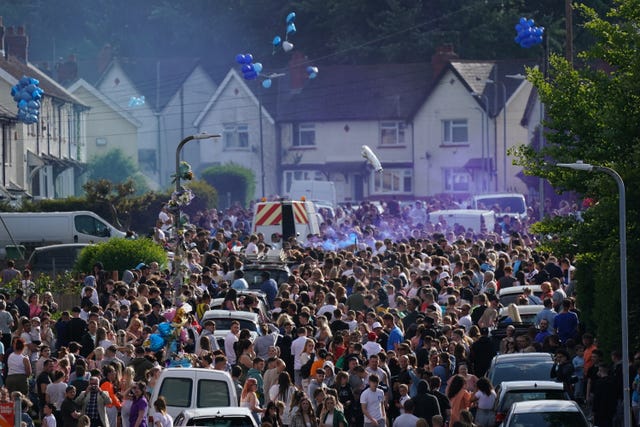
(296, 350)
(229, 340)
(407, 419)
(372, 402)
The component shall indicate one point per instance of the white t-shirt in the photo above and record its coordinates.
(405, 420)
(229, 351)
(296, 349)
(373, 401)
(165, 420)
(484, 401)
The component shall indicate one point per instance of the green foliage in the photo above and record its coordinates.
(63, 284)
(206, 197)
(117, 168)
(557, 235)
(592, 115)
(232, 179)
(121, 254)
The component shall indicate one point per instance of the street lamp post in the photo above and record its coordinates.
(623, 275)
(176, 220)
(504, 133)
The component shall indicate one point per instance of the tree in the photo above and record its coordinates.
(592, 115)
(117, 168)
(233, 180)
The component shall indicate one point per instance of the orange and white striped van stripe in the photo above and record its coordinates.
(300, 213)
(268, 214)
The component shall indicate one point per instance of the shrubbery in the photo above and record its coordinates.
(121, 254)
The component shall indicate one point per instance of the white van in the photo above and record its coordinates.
(289, 218)
(512, 204)
(34, 229)
(321, 192)
(477, 220)
(194, 388)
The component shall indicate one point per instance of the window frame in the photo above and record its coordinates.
(448, 129)
(403, 176)
(300, 135)
(449, 174)
(231, 136)
(397, 131)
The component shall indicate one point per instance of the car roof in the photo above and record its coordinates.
(523, 309)
(221, 314)
(217, 410)
(506, 386)
(518, 290)
(515, 357)
(544, 406)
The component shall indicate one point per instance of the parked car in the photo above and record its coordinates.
(545, 413)
(278, 271)
(511, 392)
(263, 306)
(510, 295)
(53, 260)
(223, 319)
(520, 367)
(527, 313)
(216, 417)
(194, 389)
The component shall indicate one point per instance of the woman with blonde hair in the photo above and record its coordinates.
(304, 416)
(488, 318)
(126, 383)
(249, 398)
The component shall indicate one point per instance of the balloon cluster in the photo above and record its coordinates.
(529, 34)
(250, 71)
(27, 94)
(290, 30)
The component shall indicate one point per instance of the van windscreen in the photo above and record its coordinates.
(177, 391)
(213, 393)
(505, 204)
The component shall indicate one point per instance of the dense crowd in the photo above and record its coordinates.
(393, 329)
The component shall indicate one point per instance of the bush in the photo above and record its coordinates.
(232, 179)
(206, 197)
(121, 254)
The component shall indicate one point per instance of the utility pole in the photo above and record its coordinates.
(568, 19)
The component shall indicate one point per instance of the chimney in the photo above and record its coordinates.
(67, 71)
(441, 58)
(17, 43)
(297, 74)
(1, 38)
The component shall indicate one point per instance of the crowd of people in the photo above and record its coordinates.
(393, 330)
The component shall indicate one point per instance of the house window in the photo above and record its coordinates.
(304, 135)
(147, 160)
(391, 133)
(236, 137)
(393, 181)
(455, 131)
(456, 180)
(308, 175)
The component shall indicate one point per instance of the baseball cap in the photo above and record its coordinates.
(372, 336)
(376, 325)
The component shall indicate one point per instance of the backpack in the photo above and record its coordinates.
(305, 370)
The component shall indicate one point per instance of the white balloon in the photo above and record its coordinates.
(286, 46)
(371, 157)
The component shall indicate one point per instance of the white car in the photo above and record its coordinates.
(223, 319)
(511, 392)
(510, 295)
(545, 413)
(527, 312)
(214, 417)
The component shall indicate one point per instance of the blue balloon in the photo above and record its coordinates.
(240, 58)
(291, 28)
(248, 58)
(266, 83)
(257, 67)
(23, 104)
(165, 329)
(26, 96)
(156, 342)
(291, 17)
(34, 81)
(276, 41)
(313, 75)
(24, 81)
(251, 75)
(523, 20)
(247, 68)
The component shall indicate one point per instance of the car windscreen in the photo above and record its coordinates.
(254, 278)
(212, 393)
(224, 324)
(226, 421)
(177, 391)
(522, 371)
(514, 396)
(553, 419)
